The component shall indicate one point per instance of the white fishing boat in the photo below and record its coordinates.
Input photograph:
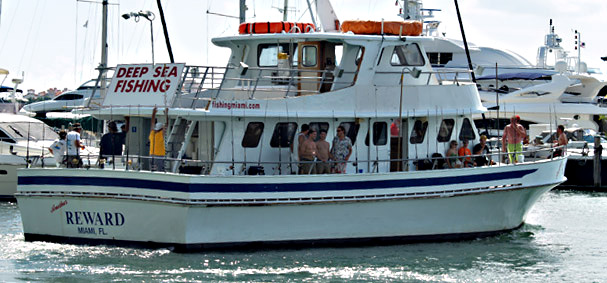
(230, 179)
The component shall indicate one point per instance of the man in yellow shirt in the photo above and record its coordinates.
(157, 150)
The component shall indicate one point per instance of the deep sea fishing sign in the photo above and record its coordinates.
(144, 84)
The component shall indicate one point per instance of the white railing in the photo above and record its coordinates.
(242, 167)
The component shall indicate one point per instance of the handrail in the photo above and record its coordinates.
(206, 165)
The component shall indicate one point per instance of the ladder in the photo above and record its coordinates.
(190, 125)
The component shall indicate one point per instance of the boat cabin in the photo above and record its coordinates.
(244, 118)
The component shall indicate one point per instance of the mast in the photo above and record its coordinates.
(461, 27)
(103, 65)
(243, 9)
(284, 13)
(578, 46)
(166, 32)
(311, 13)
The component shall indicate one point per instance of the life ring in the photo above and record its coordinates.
(406, 28)
(275, 27)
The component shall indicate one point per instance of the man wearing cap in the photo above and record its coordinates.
(74, 145)
(512, 139)
(157, 150)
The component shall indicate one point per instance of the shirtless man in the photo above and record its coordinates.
(512, 139)
(561, 140)
(308, 153)
(296, 146)
(322, 153)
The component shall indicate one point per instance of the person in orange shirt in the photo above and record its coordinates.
(465, 152)
(157, 149)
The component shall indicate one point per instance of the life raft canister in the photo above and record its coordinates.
(409, 28)
(275, 27)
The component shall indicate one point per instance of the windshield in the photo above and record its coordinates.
(36, 131)
(91, 84)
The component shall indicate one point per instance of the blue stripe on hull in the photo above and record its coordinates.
(278, 187)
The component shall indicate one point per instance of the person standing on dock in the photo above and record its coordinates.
(157, 149)
(512, 139)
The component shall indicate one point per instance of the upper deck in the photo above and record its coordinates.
(338, 73)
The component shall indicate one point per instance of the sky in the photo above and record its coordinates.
(57, 43)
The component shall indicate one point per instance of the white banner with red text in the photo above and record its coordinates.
(144, 85)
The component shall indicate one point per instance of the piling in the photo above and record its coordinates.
(598, 149)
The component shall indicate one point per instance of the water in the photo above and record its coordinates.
(565, 239)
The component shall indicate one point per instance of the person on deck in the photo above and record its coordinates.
(74, 145)
(341, 150)
(58, 148)
(482, 151)
(560, 141)
(296, 144)
(452, 158)
(322, 153)
(465, 153)
(308, 153)
(157, 149)
(111, 143)
(512, 139)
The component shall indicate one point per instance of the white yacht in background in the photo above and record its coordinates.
(555, 89)
(64, 102)
(21, 139)
(230, 180)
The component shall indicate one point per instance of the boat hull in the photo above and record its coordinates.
(400, 207)
(8, 175)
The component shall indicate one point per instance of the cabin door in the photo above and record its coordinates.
(205, 144)
(314, 58)
(399, 145)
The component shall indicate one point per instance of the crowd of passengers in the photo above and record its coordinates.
(513, 138)
(316, 156)
(312, 153)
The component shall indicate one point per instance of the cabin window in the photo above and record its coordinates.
(418, 132)
(381, 53)
(441, 59)
(5, 138)
(310, 56)
(267, 54)
(252, 135)
(317, 126)
(359, 56)
(380, 134)
(339, 52)
(351, 130)
(467, 131)
(445, 130)
(69, 96)
(283, 134)
(407, 55)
